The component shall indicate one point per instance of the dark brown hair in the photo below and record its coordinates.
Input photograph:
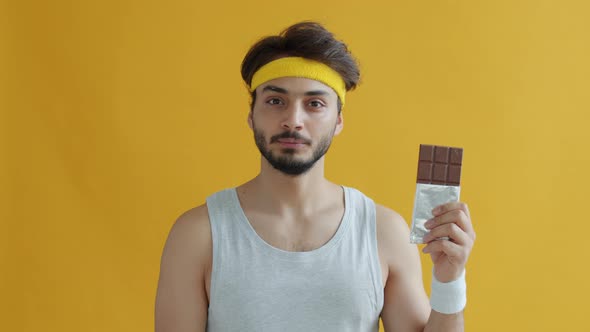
(308, 40)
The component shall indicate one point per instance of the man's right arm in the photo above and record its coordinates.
(181, 299)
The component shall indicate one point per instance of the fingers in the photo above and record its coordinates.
(450, 239)
(452, 250)
(450, 231)
(453, 213)
(444, 208)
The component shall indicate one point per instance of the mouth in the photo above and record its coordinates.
(291, 143)
(290, 140)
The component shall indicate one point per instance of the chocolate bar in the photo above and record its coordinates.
(439, 165)
(439, 176)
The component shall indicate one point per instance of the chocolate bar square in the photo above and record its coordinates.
(439, 165)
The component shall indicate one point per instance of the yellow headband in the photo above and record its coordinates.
(300, 67)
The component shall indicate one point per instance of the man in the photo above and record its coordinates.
(291, 251)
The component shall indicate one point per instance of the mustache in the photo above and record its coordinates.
(288, 134)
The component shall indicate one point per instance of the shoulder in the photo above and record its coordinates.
(391, 222)
(190, 237)
(181, 297)
(193, 224)
(393, 239)
(194, 218)
(392, 230)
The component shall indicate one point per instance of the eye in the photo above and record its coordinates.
(274, 101)
(316, 103)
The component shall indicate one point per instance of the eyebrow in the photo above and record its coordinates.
(274, 89)
(277, 89)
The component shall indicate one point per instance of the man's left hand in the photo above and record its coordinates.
(449, 240)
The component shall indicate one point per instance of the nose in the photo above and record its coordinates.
(294, 115)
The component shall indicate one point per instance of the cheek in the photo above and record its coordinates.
(266, 119)
(328, 123)
(259, 122)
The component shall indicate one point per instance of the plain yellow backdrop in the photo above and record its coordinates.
(117, 116)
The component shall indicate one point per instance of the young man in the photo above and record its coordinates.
(291, 251)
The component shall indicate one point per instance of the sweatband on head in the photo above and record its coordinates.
(449, 297)
(300, 67)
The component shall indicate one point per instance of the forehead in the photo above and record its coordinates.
(297, 85)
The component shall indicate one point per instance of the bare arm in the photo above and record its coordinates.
(452, 221)
(406, 306)
(181, 299)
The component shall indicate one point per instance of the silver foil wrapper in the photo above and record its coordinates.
(429, 196)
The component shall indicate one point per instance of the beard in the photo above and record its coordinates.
(287, 162)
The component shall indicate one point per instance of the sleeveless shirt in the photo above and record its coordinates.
(257, 287)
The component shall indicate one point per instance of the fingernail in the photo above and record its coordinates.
(428, 223)
(436, 210)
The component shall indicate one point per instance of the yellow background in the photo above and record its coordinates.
(117, 116)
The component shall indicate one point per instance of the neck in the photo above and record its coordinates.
(281, 192)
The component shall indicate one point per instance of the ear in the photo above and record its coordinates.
(250, 120)
(339, 124)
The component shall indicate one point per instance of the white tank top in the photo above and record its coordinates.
(258, 287)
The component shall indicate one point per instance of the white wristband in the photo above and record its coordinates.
(449, 297)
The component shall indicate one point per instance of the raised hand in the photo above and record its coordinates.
(449, 240)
